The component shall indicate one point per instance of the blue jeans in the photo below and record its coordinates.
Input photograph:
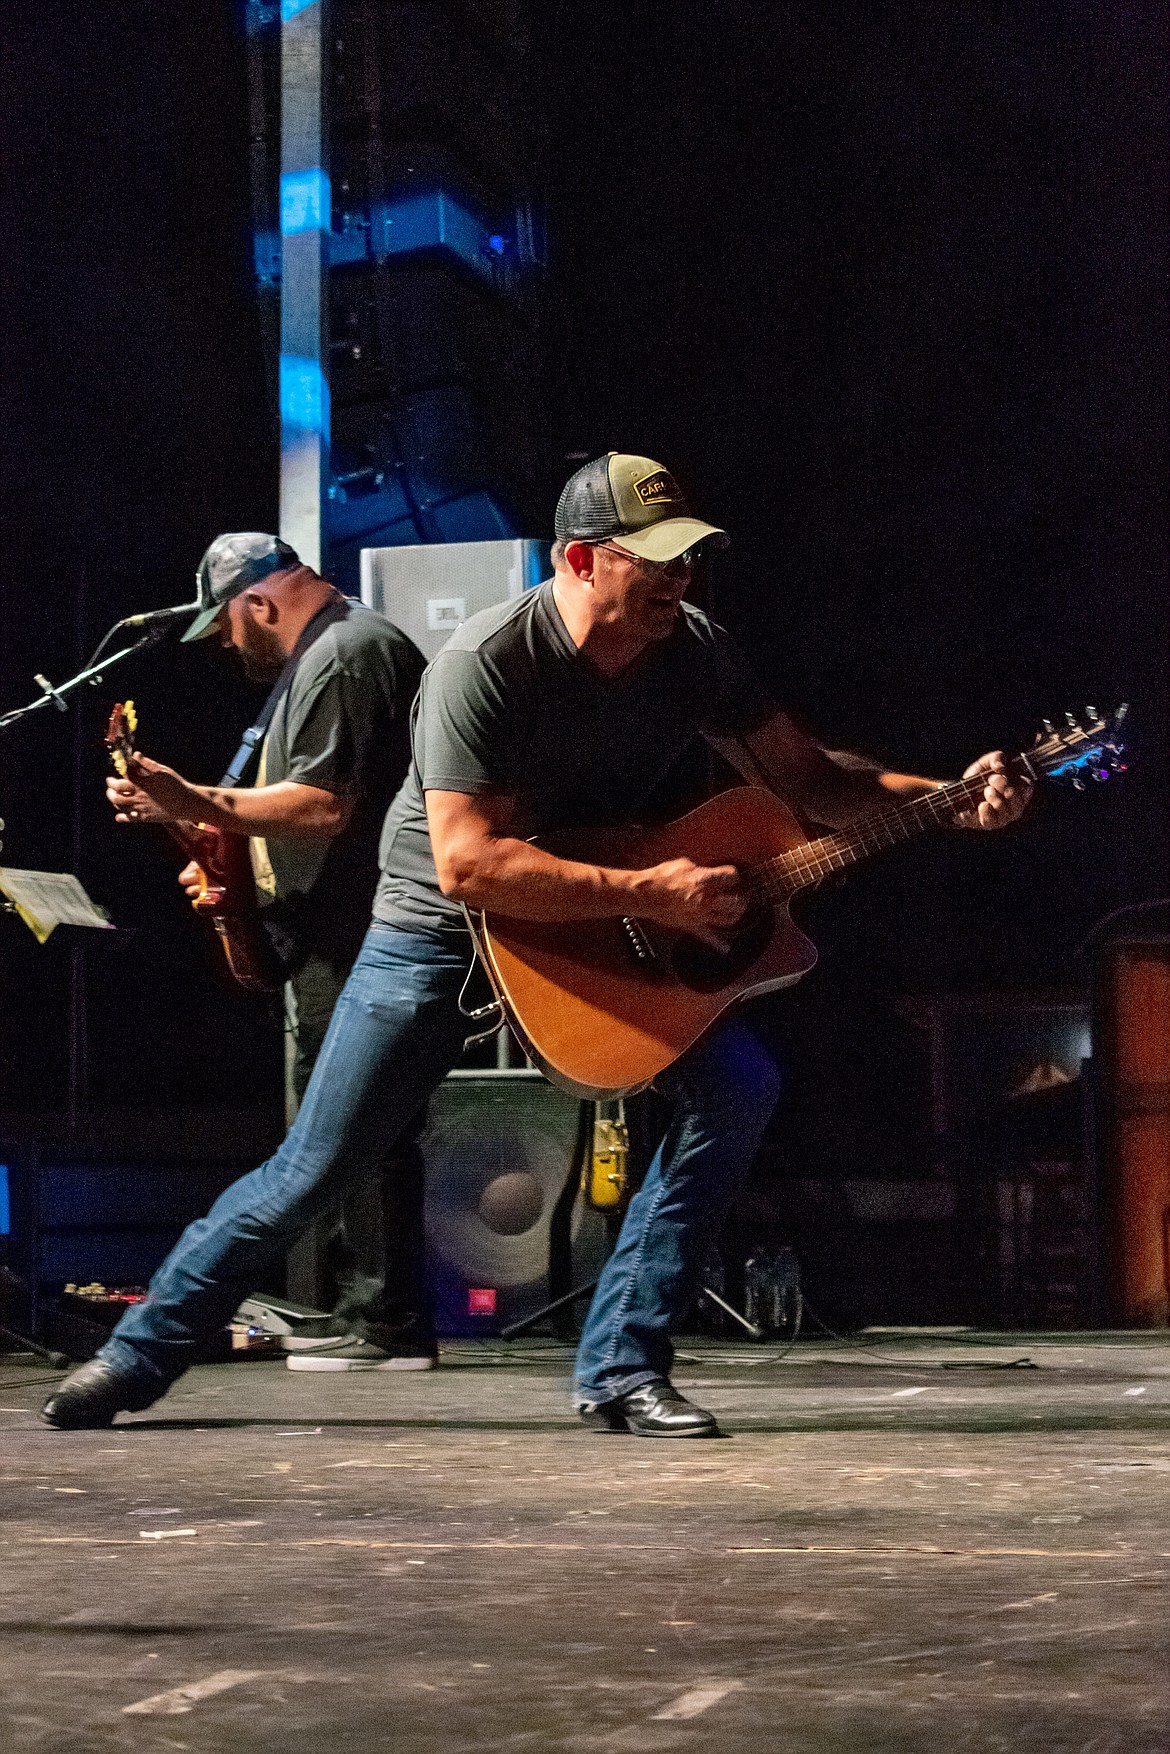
(395, 1032)
(720, 1097)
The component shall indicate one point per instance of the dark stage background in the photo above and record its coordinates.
(886, 285)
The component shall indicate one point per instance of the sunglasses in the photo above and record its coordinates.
(687, 558)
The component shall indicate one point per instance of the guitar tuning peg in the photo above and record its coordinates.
(1078, 784)
(1094, 715)
(1070, 721)
(1048, 726)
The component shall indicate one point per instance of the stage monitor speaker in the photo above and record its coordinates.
(429, 589)
(502, 1155)
(1133, 1038)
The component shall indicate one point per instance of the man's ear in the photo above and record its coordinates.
(261, 608)
(579, 559)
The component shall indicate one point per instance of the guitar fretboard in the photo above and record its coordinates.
(809, 864)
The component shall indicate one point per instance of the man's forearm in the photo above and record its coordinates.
(512, 876)
(838, 789)
(482, 861)
(901, 785)
(282, 809)
(845, 789)
(832, 787)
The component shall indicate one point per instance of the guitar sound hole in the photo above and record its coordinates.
(705, 969)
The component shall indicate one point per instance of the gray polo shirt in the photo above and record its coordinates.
(511, 706)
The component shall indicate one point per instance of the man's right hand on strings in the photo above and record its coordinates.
(705, 900)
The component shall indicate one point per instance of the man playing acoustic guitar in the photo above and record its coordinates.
(560, 710)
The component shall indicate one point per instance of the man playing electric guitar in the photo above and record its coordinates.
(331, 759)
(560, 710)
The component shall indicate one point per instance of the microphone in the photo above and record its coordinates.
(151, 616)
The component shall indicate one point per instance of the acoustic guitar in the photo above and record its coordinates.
(604, 1006)
(227, 885)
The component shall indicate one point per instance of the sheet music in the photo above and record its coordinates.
(47, 899)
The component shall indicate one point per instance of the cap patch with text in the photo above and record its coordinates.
(635, 503)
(658, 488)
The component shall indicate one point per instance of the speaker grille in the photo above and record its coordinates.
(499, 1151)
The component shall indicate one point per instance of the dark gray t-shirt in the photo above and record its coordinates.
(342, 725)
(510, 705)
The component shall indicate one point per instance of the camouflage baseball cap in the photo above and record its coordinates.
(232, 563)
(633, 501)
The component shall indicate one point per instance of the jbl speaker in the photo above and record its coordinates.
(503, 1152)
(429, 589)
(1132, 1025)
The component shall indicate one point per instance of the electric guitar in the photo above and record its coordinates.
(604, 1006)
(227, 886)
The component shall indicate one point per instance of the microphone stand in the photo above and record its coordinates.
(93, 674)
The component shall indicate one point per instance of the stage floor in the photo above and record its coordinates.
(912, 1544)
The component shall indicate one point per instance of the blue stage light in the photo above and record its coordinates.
(304, 201)
(304, 394)
(290, 8)
(5, 1202)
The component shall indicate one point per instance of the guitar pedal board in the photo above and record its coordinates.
(85, 1316)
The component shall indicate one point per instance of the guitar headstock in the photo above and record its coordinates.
(1089, 748)
(120, 735)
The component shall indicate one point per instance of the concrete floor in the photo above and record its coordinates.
(919, 1544)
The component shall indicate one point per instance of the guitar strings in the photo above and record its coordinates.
(805, 866)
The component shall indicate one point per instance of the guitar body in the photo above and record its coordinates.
(227, 896)
(604, 1006)
(227, 885)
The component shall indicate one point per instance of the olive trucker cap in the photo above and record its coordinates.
(232, 563)
(634, 501)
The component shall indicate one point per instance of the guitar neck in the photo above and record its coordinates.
(807, 865)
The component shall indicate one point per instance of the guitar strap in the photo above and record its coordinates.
(240, 762)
